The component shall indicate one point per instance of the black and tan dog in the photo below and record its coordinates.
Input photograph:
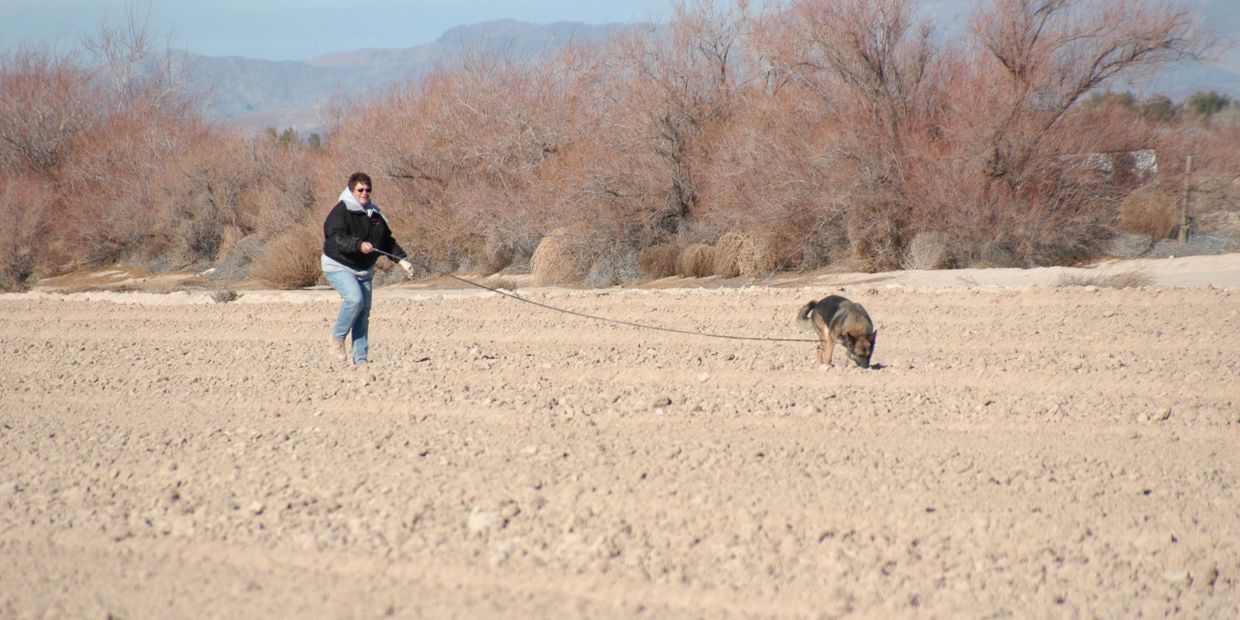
(838, 320)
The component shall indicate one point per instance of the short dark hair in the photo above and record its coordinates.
(359, 177)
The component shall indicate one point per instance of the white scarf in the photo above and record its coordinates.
(351, 203)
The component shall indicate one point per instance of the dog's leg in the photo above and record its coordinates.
(822, 343)
(830, 346)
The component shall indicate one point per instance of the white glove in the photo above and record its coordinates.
(407, 266)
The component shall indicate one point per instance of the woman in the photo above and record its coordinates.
(354, 229)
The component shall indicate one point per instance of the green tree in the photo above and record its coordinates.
(1207, 104)
(1125, 99)
(1159, 108)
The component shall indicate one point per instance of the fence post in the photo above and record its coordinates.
(1188, 176)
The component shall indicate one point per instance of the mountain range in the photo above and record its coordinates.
(255, 94)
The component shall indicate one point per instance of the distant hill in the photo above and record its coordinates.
(256, 94)
(1177, 81)
(1183, 79)
(507, 36)
(1221, 75)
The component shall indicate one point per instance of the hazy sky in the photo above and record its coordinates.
(295, 29)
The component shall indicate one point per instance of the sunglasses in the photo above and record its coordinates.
(362, 190)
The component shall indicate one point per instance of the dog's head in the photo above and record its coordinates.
(860, 344)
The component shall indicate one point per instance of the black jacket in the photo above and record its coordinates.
(345, 229)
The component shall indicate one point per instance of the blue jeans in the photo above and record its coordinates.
(355, 312)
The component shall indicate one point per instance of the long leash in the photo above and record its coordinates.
(605, 319)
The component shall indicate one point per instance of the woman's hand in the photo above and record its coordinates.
(366, 247)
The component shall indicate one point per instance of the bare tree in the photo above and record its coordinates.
(47, 105)
(132, 71)
(26, 226)
(874, 51)
(673, 91)
(460, 152)
(1048, 54)
(877, 75)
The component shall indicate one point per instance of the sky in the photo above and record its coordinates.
(293, 29)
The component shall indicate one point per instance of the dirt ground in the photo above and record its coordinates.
(1024, 448)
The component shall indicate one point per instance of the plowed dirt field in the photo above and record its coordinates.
(1020, 450)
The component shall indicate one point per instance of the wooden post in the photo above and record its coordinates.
(1188, 176)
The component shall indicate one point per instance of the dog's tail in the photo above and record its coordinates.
(804, 312)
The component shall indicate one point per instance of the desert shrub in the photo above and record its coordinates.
(206, 197)
(387, 273)
(463, 148)
(224, 295)
(496, 255)
(815, 251)
(493, 253)
(876, 234)
(1130, 279)
(1068, 217)
(1029, 233)
(291, 259)
(115, 180)
(25, 226)
(200, 196)
(556, 260)
(283, 197)
(607, 214)
(841, 130)
(602, 259)
(503, 283)
(696, 261)
(655, 103)
(778, 169)
(469, 254)
(230, 236)
(757, 256)
(727, 251)
(1149, 211)
(1129, 245)
(48, 105)
(237, 256)
(617, 266)
(1215, 201)
(983, 138)
(927, 250)
(660, 260)
(102, 128)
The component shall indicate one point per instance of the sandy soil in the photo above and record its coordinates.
(1024, 449)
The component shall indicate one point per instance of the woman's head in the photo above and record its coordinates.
(360, 185)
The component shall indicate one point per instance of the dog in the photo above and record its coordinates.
(838, 320)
